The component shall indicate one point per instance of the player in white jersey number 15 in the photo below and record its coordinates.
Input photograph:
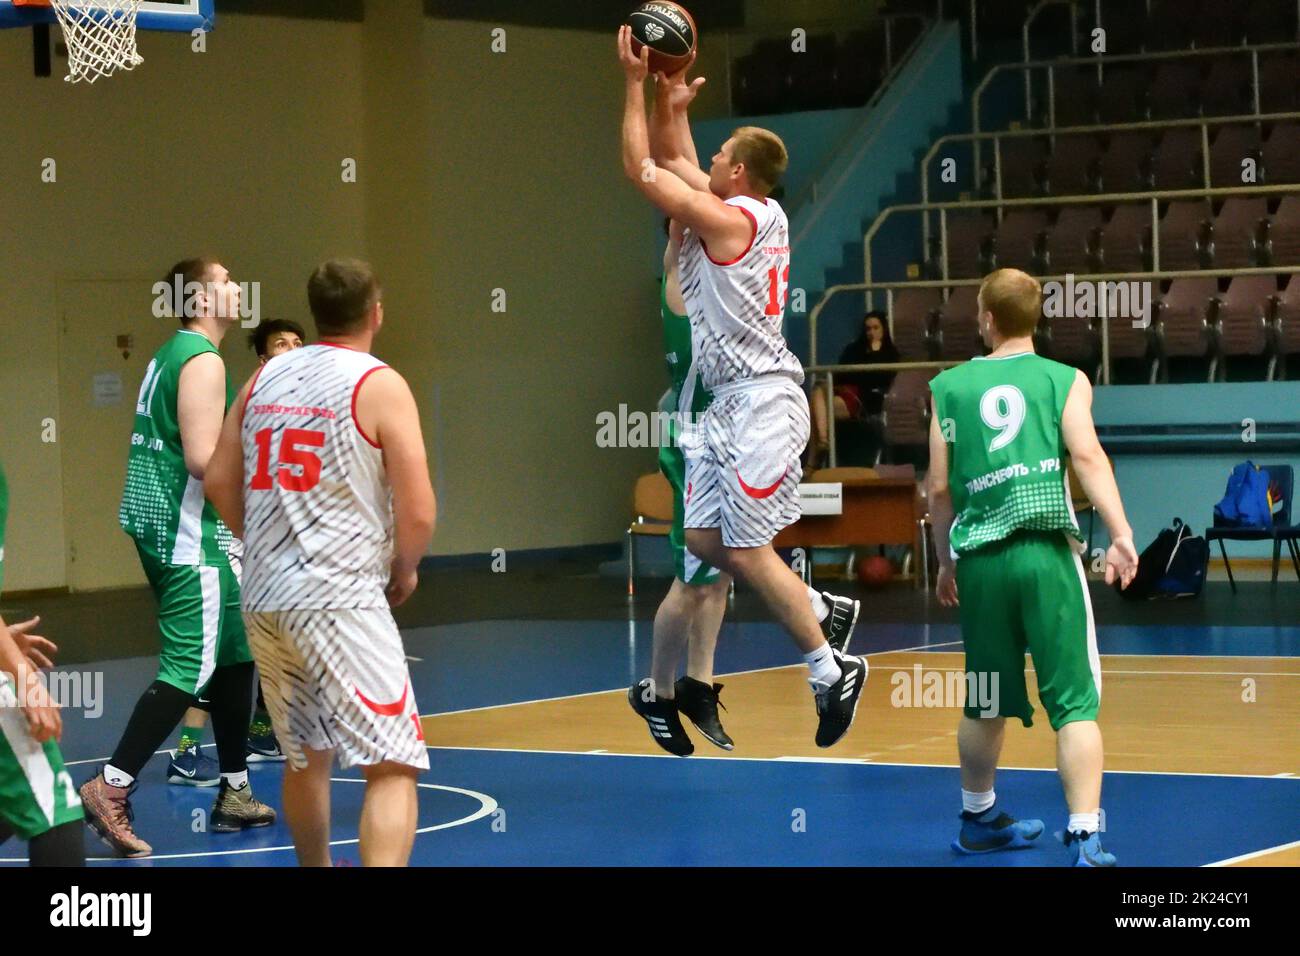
(743, 457)
(321, 469)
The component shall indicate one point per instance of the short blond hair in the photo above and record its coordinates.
(763, 154)
(1014, 298)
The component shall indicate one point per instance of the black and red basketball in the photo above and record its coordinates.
(668, 30)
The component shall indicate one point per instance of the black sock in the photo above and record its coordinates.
(63, 845)
(231, 694)
(156, 714)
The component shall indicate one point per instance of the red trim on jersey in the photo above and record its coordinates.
(754, 235)
(385, 710)
(761, 492)
(355, 390)
(251, 385)
(337, 345)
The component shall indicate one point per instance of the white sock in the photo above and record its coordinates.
(819, 605)
(823, 668)
(1084, 822)
(975, 802)
(236, 781)
(117, 778)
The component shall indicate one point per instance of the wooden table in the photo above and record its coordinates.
(876, 511)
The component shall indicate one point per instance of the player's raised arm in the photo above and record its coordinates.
(200, 409)
(386, 405)
(719, 224)
(939, 496)
(223, 480)
(1098, 481)
(670, 128)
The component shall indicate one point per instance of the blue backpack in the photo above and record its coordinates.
(1245, 503)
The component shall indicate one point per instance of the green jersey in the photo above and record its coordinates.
(163, 507)
(685, 396)
(1001, 418)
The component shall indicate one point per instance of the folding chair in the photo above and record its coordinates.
(1281, 478)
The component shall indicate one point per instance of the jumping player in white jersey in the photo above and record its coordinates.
(743, 466)
(322, 470)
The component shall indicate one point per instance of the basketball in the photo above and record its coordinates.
(668, 30)
(875, 571)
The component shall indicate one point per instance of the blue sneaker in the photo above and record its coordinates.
(262, 746)
(1003, 832)
(190, 768)
(1087, 850)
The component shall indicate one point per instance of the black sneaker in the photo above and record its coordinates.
(665, 724)
(837, 704)
(840, 622)
(699, 701)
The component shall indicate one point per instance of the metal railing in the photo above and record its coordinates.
(1152, 197)
(1103, 61)
(889, 288)
(1204, 123)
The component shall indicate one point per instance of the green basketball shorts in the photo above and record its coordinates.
(199, 619)
(36, 791)
(1028, 593)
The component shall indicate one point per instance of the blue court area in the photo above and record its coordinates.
(502, 807)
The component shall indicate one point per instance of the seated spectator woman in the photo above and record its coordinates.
(857, 394)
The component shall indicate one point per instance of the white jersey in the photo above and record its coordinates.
(737, 307)
(318, 515)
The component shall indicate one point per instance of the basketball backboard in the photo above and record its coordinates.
(183, 15)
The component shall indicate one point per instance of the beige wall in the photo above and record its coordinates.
(477, 171)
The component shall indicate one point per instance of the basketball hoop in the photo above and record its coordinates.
(100, 37)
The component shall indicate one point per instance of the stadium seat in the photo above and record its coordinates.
(1126, 239)
(958, 333)
(1282, 242)
(1227, 90)
(968, 245)
(1182, 322)
(1175, 90)
(1020, 241)
(1177, 162)
(1286, 319)
(906, 417)
(1242, 325)
(1282, 154)
(1232, 145)
(1071, 168)
(912, 323)
(1022, 159)
(1279, 82)
(1239, 232)
(1184, 235)
(1122, 98)
(1073, 243)
(1127, 163)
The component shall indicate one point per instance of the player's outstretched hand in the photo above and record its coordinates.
(39, 650)
(1121, 561)
(401, 585)
(636, 67)
(42, 713)
(946, 587)
(673, 90)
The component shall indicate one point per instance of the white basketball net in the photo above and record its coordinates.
(100, 38)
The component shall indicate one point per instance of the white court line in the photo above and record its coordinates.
(488, 806)
(866, 762)
(1257, 853)
(905, 650)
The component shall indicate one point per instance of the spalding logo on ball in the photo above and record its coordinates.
(668, 30)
